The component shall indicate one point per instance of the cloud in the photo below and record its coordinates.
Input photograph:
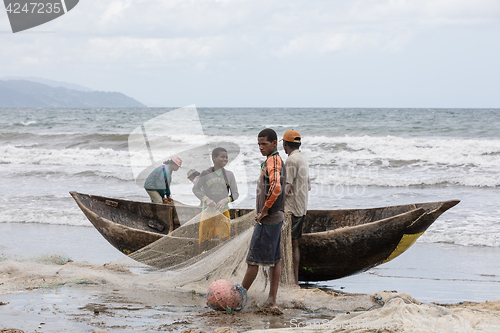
(235, 39)
(204, 28)
(114, 11)
(106, 50)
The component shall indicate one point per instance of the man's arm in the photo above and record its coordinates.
(291, 173)
(168, 180)
(234, 187)
(198, 187)
(273, 169)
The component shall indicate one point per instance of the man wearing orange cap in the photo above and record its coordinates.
(157, 185)
(297, 187)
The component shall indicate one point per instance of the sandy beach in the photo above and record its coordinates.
(103, 290)
(83, 297)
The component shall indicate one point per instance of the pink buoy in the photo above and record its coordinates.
(223, 295)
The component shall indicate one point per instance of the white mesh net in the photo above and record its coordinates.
(191, 259)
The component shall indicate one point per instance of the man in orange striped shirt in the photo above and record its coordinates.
(265, 244)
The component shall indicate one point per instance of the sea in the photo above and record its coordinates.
(358, 158)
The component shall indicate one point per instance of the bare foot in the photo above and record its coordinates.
(270, 311)
(270, 305)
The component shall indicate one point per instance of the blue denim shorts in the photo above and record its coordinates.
(265, 245)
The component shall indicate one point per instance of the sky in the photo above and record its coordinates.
(235, 53)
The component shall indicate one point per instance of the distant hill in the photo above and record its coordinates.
(23, 93)
(52, 83)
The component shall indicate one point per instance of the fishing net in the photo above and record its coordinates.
(400, 313)
(223, 295)
(210, 247)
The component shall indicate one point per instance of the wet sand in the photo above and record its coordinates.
(69, 279)
(84, 297)
(54, 299)
(76, 308)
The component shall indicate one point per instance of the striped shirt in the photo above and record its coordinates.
(271, 189)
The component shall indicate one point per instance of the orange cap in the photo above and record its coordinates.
(291, 136)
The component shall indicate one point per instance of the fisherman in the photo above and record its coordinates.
(297, 187)
(157, 185)
(216, 187)
(270, 200)
(193, 175)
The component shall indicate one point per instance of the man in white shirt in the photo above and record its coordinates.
(297, 187)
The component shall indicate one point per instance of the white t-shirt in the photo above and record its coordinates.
(297, 175)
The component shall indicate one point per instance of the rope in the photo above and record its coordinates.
(243, 294)
(379, 300)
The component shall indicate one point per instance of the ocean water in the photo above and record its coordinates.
(359, 158)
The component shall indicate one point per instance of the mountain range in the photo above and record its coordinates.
(27, 93)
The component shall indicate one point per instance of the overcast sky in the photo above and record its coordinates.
(331, 53)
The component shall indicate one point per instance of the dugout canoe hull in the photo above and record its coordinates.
(131, 225)
(362, 238)
(335, 243)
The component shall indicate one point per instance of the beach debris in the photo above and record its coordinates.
(225, 330)
(3, 303)
(382, 297)
(300, 305)
(10, 330)
(223, 295)
(274, 311)
(168, 327)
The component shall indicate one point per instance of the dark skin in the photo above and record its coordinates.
(266, 148)
(219, 162)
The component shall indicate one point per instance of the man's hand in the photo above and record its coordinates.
(210, 203)
(261, 215)
(221, 204)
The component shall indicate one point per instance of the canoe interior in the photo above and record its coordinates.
(163, 219)
(145, 216)
(324, 220)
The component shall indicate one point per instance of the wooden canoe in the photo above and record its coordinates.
(335, 243)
